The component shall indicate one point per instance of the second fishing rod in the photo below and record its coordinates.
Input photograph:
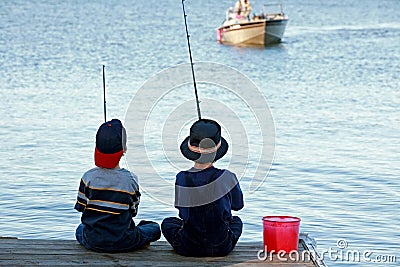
(191, 61)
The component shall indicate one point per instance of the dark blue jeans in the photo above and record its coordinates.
(187, 245)
(147, 232)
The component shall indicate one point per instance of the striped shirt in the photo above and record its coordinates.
(108, 199)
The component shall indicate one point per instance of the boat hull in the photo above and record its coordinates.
(262, 32)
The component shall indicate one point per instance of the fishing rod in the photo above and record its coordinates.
(105, 108)
(191, 61)
(104, 94)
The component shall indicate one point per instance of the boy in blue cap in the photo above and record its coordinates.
(109, 197)
(205, 196)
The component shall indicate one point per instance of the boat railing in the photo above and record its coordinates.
(269, 13)
(266, 7)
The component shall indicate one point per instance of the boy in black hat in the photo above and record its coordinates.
(205, 196)
(109, 197)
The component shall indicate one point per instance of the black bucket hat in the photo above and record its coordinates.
(205, 143)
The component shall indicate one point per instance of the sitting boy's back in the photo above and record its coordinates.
(205, 196)
(108, 198)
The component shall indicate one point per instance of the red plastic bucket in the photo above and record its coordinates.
(281, 233)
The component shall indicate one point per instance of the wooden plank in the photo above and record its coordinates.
(32, 252)
(145, 253)
(57, 263)
(74, 245)
(137, 255)
(77, 248)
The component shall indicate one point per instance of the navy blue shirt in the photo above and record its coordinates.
(205, 199)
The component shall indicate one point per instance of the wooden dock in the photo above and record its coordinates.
(38, 252)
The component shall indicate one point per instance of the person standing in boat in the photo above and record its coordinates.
(205, 196)
(108, 198)
(243, 9)
(230, 14)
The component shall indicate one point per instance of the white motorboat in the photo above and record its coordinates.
(263, 29)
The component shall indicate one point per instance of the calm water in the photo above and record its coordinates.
(332, 87)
